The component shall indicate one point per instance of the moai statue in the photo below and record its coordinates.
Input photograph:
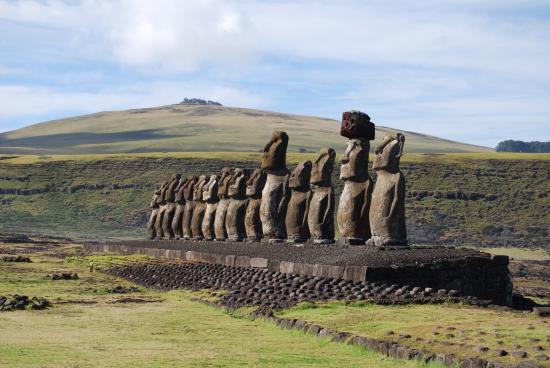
(188, 190)
(353, 208)
(210, 196)
(297, 230)
(166, 209)
(387, 211)
(155, 202)
(180, 208)
(275, 193)
(252, 222)
(234, 221)
(221, 211)
(320, 217)
(200, 208)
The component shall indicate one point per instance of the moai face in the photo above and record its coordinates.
(223, 182)
(190, 187)
(210, 190)
(357, 124)
(197, 193)
(255, 184)
(322, 167)
(274, 156)
(300, 176)
(388, 153)
(355, 161)
(237, 184)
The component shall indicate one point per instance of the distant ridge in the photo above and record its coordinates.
(195, 126)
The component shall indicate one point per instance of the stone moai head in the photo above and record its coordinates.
(180, 190)
(237, 184)
(155, 200)
(190, 187)
(197, 193)
(223, 182)
(357, 124)
(210, 190)
(300, 176)
(355, 161)
(169, 194)
(274, 156)
(255, 184)
(322, 167)
(388, 153)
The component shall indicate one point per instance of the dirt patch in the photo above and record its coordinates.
(135, 300)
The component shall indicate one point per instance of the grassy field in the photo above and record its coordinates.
(444, 328)
(89, 326)
(194, 128)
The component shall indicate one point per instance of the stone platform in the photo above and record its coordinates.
(468, 271)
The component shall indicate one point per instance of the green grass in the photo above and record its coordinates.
(164, 330)
(470, 326)
(194, 128)
(520, 254)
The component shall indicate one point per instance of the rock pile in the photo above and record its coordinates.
(274, 290)
(15, 259)
(19, 302)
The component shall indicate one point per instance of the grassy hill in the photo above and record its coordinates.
(185, 128)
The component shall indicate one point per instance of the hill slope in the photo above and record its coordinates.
(193, 128)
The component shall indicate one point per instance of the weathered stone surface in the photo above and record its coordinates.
(199, 209)
(160, 213)
(169, 211)
(210, 197)
(354, 205)
(357, 124)
(542, 311)
(188, 190)
(221, 211)
(275, 194)
(155, 203)
(320, 216)
(387, 211)
(296, 215)
(234, 221)
(180, 208)
(168, 208)
(252, 223)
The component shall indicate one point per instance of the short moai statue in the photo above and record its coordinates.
(188, 190)
(252, 223)
(170, 209)
(221, 211)
(210, 197)
(320, 217)
(297, 230)
(162, 209)
(155, 203)
(200, 208)
(234, 221)
(387, 211)
(353, 208)
(275, 194)
(180, 208)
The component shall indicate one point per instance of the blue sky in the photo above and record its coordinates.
(473, 71)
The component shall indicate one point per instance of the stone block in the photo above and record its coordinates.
(257, 262)
(242, 261)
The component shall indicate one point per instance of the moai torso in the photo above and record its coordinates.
(154, 205)
(275, 193)
(170, 207)
(221, 211)
(180, 208)
(354, 204)
(296, 215)
(161, 203)
(234, 221)
(320, 216)
(387, 211)
(200, 208)
(188, 190)
(210, 197)
(252, 222)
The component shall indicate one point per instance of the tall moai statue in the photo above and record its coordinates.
(297, 230)
(252, 223)
(275, 193)
(353, 209)
(154, 205)
(170, 207)
(387, 211)
(210, 197)
(188, 190)
(234, 221)
(200, 208)
(162, 209)
(180, 209)
(320, 217)
(221, 211)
